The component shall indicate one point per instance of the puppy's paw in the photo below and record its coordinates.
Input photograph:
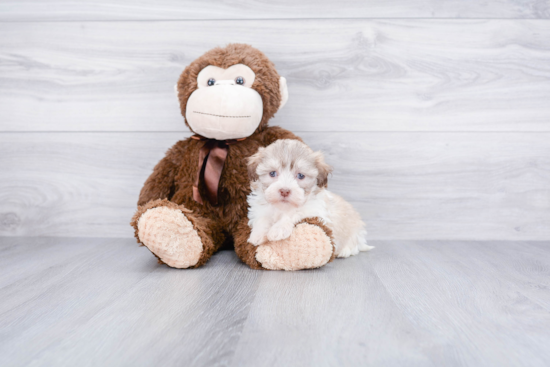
(348, 251)
(257, 238)
(280, 232)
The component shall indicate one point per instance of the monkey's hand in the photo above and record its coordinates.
(308, 246)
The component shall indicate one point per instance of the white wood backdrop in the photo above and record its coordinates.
(435, 115)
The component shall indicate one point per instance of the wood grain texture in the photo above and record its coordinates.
(405, 303)
(471, 298)
(115, 303)
(405, 185)
(55, 10)
(343, 75)
(414, 303)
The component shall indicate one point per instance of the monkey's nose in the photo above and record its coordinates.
(284, 192)
(225, 82)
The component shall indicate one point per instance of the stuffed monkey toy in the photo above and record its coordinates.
(195, 200)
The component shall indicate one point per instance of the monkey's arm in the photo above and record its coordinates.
(160, 184)
(309, 246)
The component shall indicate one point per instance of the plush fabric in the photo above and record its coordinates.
(239, 109)
(166, 202)
(308, 247)
(171, 236)
(267, 78)
(210, 234)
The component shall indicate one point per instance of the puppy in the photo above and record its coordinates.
(288, 182)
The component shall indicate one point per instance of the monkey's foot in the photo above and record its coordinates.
(168, 234)
(309, 246)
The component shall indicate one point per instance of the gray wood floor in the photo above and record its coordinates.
(106, 302)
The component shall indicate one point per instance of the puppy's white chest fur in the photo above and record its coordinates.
(275, 222)
(288, 181)
(261, 209)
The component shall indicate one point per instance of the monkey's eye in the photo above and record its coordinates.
(300, 176)
(273, 173)
(239, 80)
(211, 82)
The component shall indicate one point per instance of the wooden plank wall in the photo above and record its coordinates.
(435, 115)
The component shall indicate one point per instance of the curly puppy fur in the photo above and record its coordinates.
(290, 185)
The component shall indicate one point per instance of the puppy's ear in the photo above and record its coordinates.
(323, 168)
(253, 162)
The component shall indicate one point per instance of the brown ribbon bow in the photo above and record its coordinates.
(212, 157)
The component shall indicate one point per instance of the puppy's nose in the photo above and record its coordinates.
(284, 192)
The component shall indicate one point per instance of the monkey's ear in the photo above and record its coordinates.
(178, 95)
(253, 162)
(323, 168)
(284, 91)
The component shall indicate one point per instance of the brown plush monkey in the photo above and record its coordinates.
(195, 199)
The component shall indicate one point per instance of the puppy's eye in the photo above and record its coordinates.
(239, 80)
(300, 176)
(273, 173)
(211, 82)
